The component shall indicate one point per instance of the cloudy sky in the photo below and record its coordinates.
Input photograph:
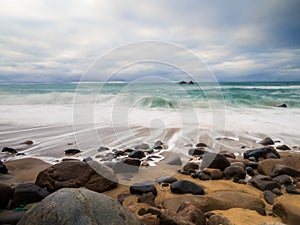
(57, 40)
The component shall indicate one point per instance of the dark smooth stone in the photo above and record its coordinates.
(203, 145)
(72, 151)
(143, 188)
(185, 186)
(283, 105)
(9, 150)
(142, 211)
(264, 182)
(3, 168)
(277, 191)
(269, 196)
(281, 169)
(137, 154)
(283, 147)
(166, 179)
(283, 179)
(103, 148)
(214, 160)
(235, 172)
(196, 151)
(250, 171)
(260, 210)
(260, 153)
(190, 165)
(266, 141)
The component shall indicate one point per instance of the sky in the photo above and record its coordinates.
(58, 40)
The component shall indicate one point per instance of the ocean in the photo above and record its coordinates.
(118, 115)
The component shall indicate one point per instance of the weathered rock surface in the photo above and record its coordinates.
(28, 193)
(220, 200)
(263, 182)
(214, 160)
(185, 186)
(71, 206)
(75, 174)
(186, 214)
(5, 195)
(288, 213)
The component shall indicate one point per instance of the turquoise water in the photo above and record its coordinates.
(156, 95)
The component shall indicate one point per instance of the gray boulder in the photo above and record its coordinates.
(70, 206)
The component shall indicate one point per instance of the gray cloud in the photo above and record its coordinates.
(56, 41)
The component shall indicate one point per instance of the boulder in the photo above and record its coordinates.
(5, 195)
(217, 220)
(142, 146)
(196, 151)
(190, 166)
(72, 151)
(143, 188)
(75, 174)
(266, 166)
(166, 179)
(281, 169)
(288, 213)
(269, 196)
(283, 179)
(215, 174)
(235, 172)
(3, 168)
(263, 182)
(9, 150)
(266, 141)
(71, 206)
(201, 144)
(260, 153)
(282, 105)
(214, 160)
(220, 200)
(27, 193)
(283, 147)
(185, 186)
(11, 217)
(127, 165)
(103, 148)
(186, 214)
(138, 154)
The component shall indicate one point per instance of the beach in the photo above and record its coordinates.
(165, 129)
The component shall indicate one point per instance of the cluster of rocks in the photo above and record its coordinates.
(69, 192)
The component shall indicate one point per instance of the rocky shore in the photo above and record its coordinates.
(151, 186)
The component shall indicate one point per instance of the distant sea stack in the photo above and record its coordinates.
(184, 82)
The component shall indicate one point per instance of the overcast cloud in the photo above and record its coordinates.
(56, 41)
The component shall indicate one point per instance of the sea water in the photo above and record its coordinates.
(127, 113)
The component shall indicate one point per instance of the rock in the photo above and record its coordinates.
(202, 175)
(283, 105)
(145, 163)
(235, 172)
(281, 169)
(220, 200)
(28, 142)
(173, 159)
(217, 220)
(71, 206)
(283, 147)
(75, 174)
(158, 145)
(3, 168)
(203, 145)
(215, 174)
(182, 82)
(269, 196)
(260, 153)
(11, 217)
(288, 213)
(191, 82)
(137, 154)
(166, 179)
(260, 210)
(27, 193)
(292, 190)
(185, 186)
(250, 171)
(5, 195)
(227, 154)
(103, 148)
(143, 188)
(186, 214)
(127, 165)
(147, 198)
(72, 151)
(9, 150)
(283, 179)
(190, 165)
(277, 191)
(87, 159)
(263, 182)
(213, 160)
(142, 211)
(142, 146)
(266, 166)
(266, 141)
(196, 151)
